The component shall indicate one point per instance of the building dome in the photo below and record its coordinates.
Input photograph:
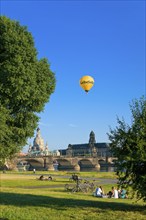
(38, 143)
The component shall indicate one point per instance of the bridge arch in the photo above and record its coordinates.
(86, 165)
(103, 165)
(64, 164)
(31, 163)
(111, 164)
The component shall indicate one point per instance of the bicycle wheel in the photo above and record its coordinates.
(66, 186)
(75, 189)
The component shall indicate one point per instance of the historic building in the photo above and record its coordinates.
(38, 147)
(88, 149)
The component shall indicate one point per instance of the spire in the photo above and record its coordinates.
(46, 146)
(92, 138)
(92, 141)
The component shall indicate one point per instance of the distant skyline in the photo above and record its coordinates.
(103, 39)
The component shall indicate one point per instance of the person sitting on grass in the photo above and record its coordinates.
(41, 177)
(98, 192)
(123, 194)
(50, 178)
(113, 193)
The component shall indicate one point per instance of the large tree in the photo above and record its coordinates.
(26, 84)
(128, 144)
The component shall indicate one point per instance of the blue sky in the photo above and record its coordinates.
(103, 39)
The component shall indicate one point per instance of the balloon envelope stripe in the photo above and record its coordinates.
(86, 82)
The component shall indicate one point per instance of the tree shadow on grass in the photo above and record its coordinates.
(22, 200)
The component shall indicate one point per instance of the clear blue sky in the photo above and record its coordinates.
(104, 39)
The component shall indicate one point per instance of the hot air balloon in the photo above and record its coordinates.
(86, 82)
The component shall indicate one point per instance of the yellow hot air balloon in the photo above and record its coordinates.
(86, 82)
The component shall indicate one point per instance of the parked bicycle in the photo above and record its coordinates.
(81, 186)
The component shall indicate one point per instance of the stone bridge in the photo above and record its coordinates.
(80, 163)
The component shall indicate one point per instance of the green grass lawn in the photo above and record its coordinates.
(23, 197)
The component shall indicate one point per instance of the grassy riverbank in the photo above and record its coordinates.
(23, 197)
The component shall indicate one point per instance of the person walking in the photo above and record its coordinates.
(34, 170)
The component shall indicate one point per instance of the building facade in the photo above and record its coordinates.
(88, 149)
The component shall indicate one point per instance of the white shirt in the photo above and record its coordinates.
(116, 194)
(98, 192)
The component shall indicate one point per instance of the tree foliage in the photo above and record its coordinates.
(26, 84)
(128, 144)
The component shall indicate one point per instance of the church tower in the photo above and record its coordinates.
(92, 141)
(92, 138)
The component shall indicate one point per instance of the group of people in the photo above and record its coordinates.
(44, 178)
(114, 193)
